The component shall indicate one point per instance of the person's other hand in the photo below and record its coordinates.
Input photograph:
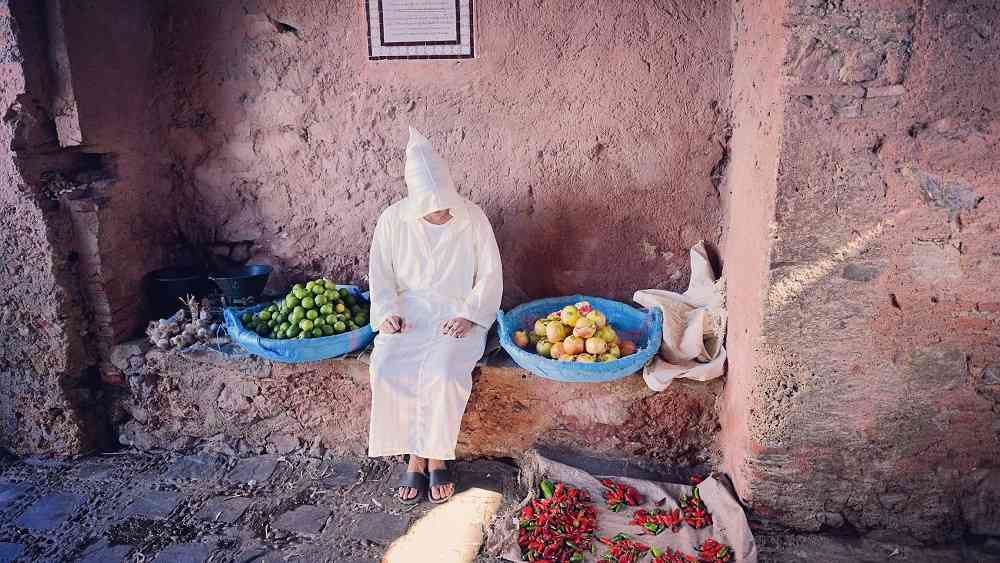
(457, 327)
(391, 325)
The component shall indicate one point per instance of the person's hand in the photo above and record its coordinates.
(457, 327)
(391, 325)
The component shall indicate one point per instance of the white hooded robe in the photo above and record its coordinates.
(420, 378)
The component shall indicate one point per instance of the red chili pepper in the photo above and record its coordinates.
(559, 528)
(711, 551)
(623, 549)
(669, 555)
(695, 513)
(619, 495)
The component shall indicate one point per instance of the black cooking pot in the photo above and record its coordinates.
(246, 282)
(167, 286)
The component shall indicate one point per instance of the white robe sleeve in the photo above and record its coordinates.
(382, 281)
(482, 304)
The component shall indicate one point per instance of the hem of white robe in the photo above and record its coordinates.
(450, 456)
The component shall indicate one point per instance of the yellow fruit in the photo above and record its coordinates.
(540, 327)
(555, 332)
(569, 315)
(567, 358)
(585, 358)
(613, 350)
(598, 318)
(608, 334)
(596, 346)
(608, 357)
(584, 328)
(544, 348)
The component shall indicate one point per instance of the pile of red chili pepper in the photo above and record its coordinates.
(623, 549)
(619, 495)
(656, 520)
(695, 513)
(559, 527)
(670, 555)
(711, 551)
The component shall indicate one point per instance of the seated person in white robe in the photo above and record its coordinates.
(436, 282)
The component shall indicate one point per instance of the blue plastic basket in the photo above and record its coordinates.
(642, 326)
(297, 351)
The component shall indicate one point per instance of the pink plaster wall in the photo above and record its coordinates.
(749, 191)
(588, 132)
(875, 381)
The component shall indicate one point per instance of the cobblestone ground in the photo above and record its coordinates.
(205, 506)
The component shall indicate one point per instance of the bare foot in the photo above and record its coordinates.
(441, 491)
(417, 465)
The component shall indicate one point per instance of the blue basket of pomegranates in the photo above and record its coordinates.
(578, 338)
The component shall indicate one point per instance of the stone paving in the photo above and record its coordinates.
(204, 506)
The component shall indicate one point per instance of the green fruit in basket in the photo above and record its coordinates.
(360, 320)
(331, 319)
(340, 308)
(279, 334)
(339, 327)
(328, 330)
(544, 348)
(311, 314)
(318, 289)
(326, 309)
(292, 331)
(343, 292)
(300, 293)
(540, 328)
(284, 326)
(303, 335)
(608, 358)
(272, 323)
(319, 321)
(352, 326)
(350, 300)
(297, 286)
(247, 317)
(331, 294)
(306, 325)
(308, 303)
(309, 285)
(320, 300)
(317, 332)
(291, 301)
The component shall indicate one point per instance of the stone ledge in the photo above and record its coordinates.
(253, 405)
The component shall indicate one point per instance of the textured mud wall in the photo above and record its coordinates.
(254, 406)
(592, 133)
(748, 194)
(46, 403)
(875, 390)
(133, 216)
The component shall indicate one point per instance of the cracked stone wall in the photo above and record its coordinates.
(587, 131)
(872, 368)
(47, 394)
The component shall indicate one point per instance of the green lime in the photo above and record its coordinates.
(247, 317)
(359, 320)
(339, 327)
(306, 325)
(272, 323)
(320, 300)
(331, 319)
(352, 326)
(331, 294)
(296, 316)
(265, 315)
(326, 309)
(319, 320)
(308, 303)
(300, 293)
(328, 330)
(309, 285)
(284, 326)
(312, 314)
(291, 301)
(292, 331)
(317, 332)
(329, 285)
(318, 289)
(297, 286)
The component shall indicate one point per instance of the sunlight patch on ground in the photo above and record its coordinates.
(449, 533)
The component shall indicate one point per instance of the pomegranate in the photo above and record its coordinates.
(521, 339)
(573, 345)
(555, 332)
(557, 352)
(596, 346)
(584, 307)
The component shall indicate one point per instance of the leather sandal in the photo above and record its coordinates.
(414, 480)
(440, 477)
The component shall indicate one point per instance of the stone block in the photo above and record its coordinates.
(224, 509)
(185, 553)
(10, 551)
(197, 467)
(49, 512)
(257, 469)
(884, 91)
(340, 474)
(379, 527)
(153, 504)
(305, 519)
(103, 552)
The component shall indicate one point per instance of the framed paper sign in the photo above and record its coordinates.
(419, 29)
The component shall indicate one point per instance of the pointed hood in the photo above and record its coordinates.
(428, 183)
